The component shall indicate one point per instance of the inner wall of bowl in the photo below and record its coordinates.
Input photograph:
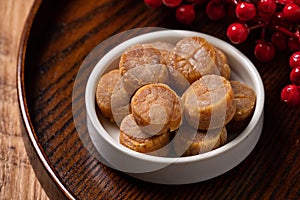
(238, 62)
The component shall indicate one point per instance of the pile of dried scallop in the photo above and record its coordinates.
(174, 99)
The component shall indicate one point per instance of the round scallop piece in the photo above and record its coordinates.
(132, 137)
(222, 64)
(209, 103)
(165, 49)
(139, 55)
(156, 108)
(120, 102)
(130, 82)
(190, 141)
(145, 74)
(193, 57)
(104, 92)
(245, 99)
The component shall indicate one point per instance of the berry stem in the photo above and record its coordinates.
(287, 32)
(256, 26)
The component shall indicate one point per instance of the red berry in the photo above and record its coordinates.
(295, 76)
(264, 52)
(293, 44)
(297, 33)
(266, 6)
(290, 94)
(215, 11)
(172, 3)
(279, 41)
(245, 11)
(295, 60)
(280, 20)
(292, 12)
(186, 14)
(237, 33)
(266, 9)
(153, 3)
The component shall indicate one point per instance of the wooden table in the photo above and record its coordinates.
(21, 174)
(74, 28)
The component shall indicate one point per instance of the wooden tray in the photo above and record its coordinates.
(57, 38)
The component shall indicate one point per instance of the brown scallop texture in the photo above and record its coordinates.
(133, 137)
(139, 55)
(209, 102)
(162, 45)
(120, 102)
(156, 108)
(222, 64)
(193, 57)
(190, 141)
(145, 74)
(104, 92)
(165, 49)
(245, 99)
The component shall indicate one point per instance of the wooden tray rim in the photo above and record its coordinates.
(23, 106)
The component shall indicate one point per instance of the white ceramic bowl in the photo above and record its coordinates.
(169, 170)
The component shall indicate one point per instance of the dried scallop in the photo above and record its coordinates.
(156, 108)
(139, 55)
(133, 137)
(193, 57)
(209, 102)
(104, 91)
(190, 141)
(245, 99)
(222, 64)
(145, 74)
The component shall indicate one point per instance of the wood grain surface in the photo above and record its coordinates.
(21, 174)
(62, 35)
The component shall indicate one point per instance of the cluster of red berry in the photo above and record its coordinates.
(278, 20)
(291, 93)
(280, 16)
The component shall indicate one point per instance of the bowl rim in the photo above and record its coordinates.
(153, 36)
